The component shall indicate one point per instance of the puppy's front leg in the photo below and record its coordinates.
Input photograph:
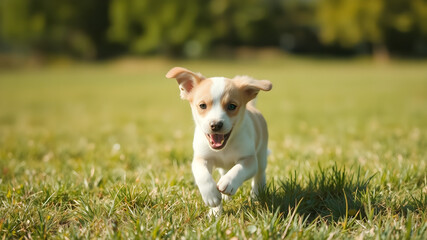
(202, 171)
(244, 169)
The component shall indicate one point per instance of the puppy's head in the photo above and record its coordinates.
(218, 104)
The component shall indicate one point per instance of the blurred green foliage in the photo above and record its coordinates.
(100, 28)
(67, 26)
(399, 25)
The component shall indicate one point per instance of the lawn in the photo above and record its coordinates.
(104, 151)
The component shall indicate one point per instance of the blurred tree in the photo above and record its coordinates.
(295, 24)
(350, 23)
(187, 26)
(419, 8)
(17, 24)
(99, 28)
(151, 26)
(74, 27)
(385, 25)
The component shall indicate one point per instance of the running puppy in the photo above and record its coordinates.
(231, 134)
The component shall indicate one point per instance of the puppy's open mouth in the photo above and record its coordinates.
(218, 141)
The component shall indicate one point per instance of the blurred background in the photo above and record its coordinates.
(103, 29)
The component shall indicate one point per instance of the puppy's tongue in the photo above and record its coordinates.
(217, 140)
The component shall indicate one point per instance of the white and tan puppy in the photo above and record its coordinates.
(230, 135)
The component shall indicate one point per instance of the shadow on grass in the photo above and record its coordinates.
(330, 193)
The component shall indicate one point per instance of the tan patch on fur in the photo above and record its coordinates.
(232, 95)
(202, 94)
(186, 79)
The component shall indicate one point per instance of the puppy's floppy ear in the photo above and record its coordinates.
(251, 86)
(186, 79)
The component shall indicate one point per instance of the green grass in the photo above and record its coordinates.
(104, 151)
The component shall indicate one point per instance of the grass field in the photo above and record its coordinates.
(104, 151)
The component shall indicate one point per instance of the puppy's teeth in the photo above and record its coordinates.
(222, 141)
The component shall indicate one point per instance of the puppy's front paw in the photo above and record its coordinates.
(215, 212)
(211, 196)
(227, 186)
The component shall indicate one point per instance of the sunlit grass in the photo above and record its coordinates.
(104, 150)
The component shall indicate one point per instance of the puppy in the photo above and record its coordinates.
(231, 134)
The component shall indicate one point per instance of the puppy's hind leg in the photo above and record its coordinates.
(259, 180)
(258, 183)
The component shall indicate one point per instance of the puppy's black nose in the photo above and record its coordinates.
(216, 126)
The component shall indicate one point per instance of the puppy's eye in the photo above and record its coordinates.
(231, 107)
(202, 105)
